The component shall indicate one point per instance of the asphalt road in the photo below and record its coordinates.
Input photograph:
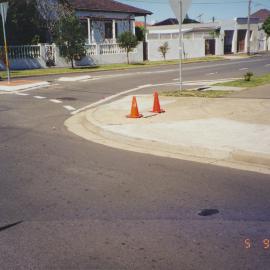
(66, 203)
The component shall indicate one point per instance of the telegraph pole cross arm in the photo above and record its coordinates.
(180, 8)
(3, 11)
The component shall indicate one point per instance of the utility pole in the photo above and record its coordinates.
(248, 31)
(180, 44)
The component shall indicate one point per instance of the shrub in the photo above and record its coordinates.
(128, 41)
(248, 76)
(163, 49)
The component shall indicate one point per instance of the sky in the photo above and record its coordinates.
(220, 9)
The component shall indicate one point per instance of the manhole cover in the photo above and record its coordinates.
(67, 98)
(208, 212)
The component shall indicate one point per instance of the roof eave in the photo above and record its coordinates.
(136, 14)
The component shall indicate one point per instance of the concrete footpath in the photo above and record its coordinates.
(232, 132)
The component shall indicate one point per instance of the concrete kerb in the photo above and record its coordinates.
(85, 125)
(21, 85)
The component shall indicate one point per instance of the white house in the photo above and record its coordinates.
(103, 21)
(195, 39)
(202, 39)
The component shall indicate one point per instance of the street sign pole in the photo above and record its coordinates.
(3, 9)
(180, 8)
(180, 45)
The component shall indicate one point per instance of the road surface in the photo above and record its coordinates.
(67, 203)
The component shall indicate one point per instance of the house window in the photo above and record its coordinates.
(84, 25)
(188, 35)
(153, 36)
(108, 30)
(198, 35)
(165, 36)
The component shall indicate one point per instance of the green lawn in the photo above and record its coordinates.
(255, 81)
(195, 93)
(50, 71)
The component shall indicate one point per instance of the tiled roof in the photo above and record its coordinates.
(261, 14)
(108, 6)
(139, 24)
(170, 21)
(173, 21)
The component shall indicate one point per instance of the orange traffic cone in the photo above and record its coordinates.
(156, 106)
(134, 110)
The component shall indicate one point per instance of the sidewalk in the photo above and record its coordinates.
(231, 132)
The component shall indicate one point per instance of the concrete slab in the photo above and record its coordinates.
(212, 133)
(224, 131)
(17, 85)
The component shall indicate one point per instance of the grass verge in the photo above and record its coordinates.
(59, 71)
(195, 93)
(255, 81)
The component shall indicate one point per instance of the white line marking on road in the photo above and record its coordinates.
(112, 97)
(268, 65)
(22, 94)
(56, 101)
(69, 108)
(212, 73)
(39, 97)
(243, 69)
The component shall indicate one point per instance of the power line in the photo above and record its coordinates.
(198, 3)
(261, 4)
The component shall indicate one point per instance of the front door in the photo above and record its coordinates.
(241, 40)
(228, 40)
(210, 47)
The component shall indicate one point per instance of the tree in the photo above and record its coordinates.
(140, 33)
(52, 11)
(70, 38)
(24, 25)
(266, 28)
(163, 49)
(128, 41)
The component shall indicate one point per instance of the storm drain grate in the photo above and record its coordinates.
(208, 212)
